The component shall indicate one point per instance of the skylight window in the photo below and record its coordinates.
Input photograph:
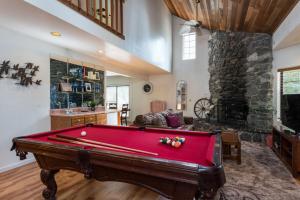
(189, 46)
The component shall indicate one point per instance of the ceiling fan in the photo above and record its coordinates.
(192, 25)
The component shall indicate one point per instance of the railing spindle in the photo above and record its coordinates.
(100, 11)
(87, 5)
(121, 14)
(78, 4)
(94, 9)
(110, 12)
(117, 15)
(106, 12)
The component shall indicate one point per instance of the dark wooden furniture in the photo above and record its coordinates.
(287, 148)
(191, 171)
(124, 114)
(231, 140)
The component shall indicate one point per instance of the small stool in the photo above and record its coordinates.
(231, 140)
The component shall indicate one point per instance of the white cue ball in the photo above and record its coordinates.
(83, 133)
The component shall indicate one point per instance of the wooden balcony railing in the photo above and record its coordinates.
(106, 13)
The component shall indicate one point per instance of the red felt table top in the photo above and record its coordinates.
(198, 147)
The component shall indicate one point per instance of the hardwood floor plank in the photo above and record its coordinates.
(24, 183)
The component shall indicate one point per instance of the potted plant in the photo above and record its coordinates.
(93, 105)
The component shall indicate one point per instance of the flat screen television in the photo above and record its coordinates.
(290, 98)
(290, 111)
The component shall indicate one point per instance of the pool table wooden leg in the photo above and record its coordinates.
(48, 179)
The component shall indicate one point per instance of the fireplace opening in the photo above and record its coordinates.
(233, 111)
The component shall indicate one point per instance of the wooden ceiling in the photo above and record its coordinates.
(235, 15)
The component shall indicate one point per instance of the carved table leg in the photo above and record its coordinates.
(47, 177)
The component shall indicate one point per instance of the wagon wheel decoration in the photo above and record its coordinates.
(203, 108)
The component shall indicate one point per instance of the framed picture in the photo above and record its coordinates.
(88, 87)
(65, 87)
(97, 75)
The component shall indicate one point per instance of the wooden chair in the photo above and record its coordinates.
(124, 114)
(112, 106)
(231, 139)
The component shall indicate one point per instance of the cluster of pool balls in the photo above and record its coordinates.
(174, 142)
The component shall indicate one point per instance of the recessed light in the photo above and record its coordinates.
(56, 34)
(100, 51)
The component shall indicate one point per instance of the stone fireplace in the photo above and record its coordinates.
(240, 66)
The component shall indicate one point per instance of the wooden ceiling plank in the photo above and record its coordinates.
(270, 13)
(171, 7)
(250, 15)
(238, 13)
(183, 10)
(225, 14)
(188, 9)
(245, 8)
(210, 14)
(179, 9)
(200, 14)
(233, 15)
(258, 26)
(205, 15)
(251, 24)
(218, 14)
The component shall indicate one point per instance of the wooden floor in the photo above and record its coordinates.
(24, 183)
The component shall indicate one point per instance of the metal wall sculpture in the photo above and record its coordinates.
(23, 75)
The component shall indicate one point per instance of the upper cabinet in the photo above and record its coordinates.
(106, 13)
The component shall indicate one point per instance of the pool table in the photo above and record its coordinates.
(194, 170)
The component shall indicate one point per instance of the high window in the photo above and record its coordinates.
(189, 46)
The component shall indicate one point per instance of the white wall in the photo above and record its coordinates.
(287, 57)
(148, 31)
(147, 28)
(23, 110)
(195, 72)
(285, 36)
(26, 110)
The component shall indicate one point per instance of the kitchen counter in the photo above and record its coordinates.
(60, 119)
(63, 113)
